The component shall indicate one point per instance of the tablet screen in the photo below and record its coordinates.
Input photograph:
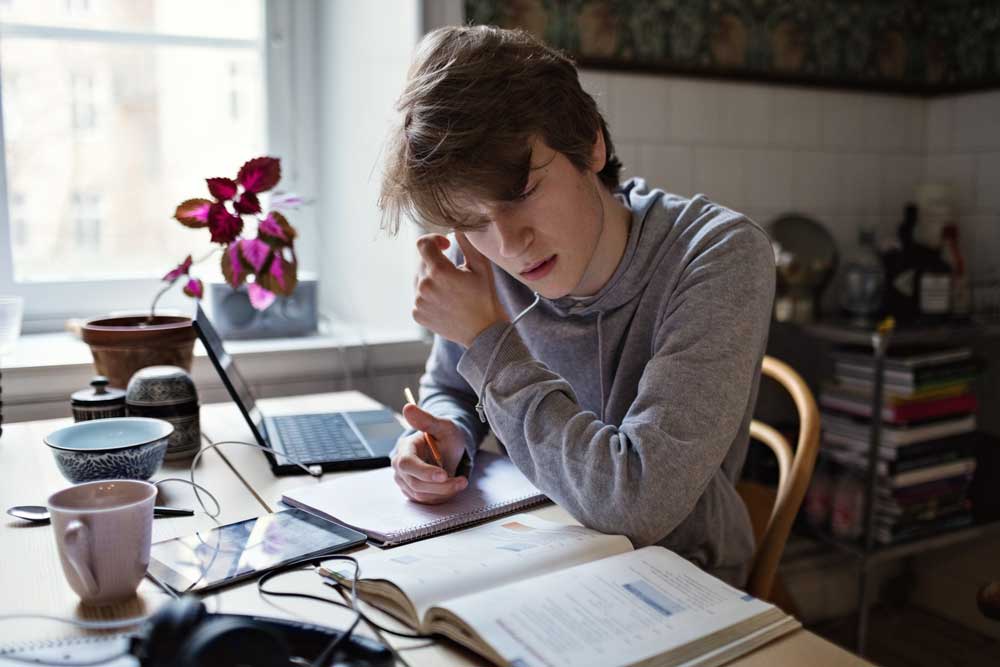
(236, 551)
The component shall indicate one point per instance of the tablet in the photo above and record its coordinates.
(237, 551)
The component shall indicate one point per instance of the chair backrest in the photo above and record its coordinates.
(795, 470)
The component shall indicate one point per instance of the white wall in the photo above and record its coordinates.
(365, 50)
(963, 146)
(846, 159)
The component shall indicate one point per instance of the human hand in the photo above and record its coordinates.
(455, 302)
(413, 463)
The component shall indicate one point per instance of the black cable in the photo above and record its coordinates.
(315, 561)
(306, 596)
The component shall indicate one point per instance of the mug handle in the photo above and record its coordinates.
(77, 544)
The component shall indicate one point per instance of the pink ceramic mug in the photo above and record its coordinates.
(103, 531)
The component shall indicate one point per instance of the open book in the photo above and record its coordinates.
(522, 591)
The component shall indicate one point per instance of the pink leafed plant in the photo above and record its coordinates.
(266, 262)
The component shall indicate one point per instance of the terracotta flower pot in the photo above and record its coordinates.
(123, 345)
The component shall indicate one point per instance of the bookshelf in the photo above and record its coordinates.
(878, 343)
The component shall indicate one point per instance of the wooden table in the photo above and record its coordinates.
(32, 579)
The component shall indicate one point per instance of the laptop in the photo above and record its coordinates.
(334, 440)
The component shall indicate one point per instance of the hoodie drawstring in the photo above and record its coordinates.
(480, 409)
(600, 360)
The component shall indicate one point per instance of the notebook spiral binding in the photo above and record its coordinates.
(444, 525)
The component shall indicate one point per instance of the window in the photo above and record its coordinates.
(87, 220)
(18, 225)
(234, 91)
(115, 111)
(77, 6)
(83, 110)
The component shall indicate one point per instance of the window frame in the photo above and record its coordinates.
(287, 47)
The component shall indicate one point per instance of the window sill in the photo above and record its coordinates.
(44, 369)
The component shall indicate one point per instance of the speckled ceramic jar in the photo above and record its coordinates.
(167, 392)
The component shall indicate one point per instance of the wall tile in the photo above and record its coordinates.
(745, 112)
(843, 120)
(900, 176)
(769, 179)
(668, 167)
(631, 156)
(815, 181)
(694, 111)
(719, 174)
(915, 114)
(983, 229)
(960, 171)
(640, 107)
(940, 129)
(884, 121)
(598, 84)
(975, 123)
(988, 181)
(797, 118)
(761, 148)
(859, 177)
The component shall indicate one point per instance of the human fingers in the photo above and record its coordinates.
(474, 259)
(431, 248)
(422, 420)
(429, 492)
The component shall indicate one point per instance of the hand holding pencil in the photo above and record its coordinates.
(423, 462)
(431, 444)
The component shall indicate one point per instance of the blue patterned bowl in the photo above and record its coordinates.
(119, 448)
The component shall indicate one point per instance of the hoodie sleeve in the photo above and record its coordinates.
(445, 394)
(644, 477)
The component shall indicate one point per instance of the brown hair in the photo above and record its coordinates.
(474, 99)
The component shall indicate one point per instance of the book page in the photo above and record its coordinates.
(485, 556)
(621, 610)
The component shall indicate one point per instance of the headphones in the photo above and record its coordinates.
(183, 634)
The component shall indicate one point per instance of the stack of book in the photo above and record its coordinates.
(926, 456)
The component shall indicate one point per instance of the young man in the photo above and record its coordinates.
(625, 390)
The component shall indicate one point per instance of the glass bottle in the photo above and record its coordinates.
(863, 280)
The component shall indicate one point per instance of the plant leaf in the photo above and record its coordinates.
(286, 200)
(178, 271)
(256, 253)
(193, 212)
(233, 266)
(276, 230)
(282, 275)
(260, 298)
(221, 188)
(194, 288)
(225, 226)
(260, 174)
(247, 203)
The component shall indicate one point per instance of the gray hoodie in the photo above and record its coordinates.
(631, 408)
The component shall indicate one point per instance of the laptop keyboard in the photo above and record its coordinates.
(320, 438)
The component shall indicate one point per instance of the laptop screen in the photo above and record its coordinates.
(237, 386)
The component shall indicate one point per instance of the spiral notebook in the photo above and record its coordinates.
(372, 503)
(104, 650)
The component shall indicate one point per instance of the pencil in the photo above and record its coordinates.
(431, 445)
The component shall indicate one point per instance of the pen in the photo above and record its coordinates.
(431, 445)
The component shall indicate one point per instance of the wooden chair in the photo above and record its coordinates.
(773, 512)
